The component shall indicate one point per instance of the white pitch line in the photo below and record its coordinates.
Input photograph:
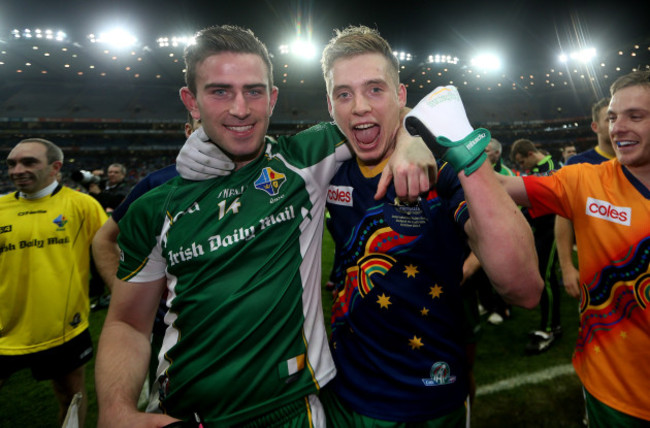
(524, 379)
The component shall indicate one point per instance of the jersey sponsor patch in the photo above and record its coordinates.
(607, 211)
(340, 195)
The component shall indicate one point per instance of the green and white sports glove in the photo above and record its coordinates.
(441, 121)
(200, 159)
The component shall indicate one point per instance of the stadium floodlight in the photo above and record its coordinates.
(303, 49)
(486, 62)
(442, 59)
(403, 56)
(37, 33)
(175, 41)
(118, 37)
(583, 55)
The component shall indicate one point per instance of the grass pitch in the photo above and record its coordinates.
(513, 389)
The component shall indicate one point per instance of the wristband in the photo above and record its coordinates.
(467, 154)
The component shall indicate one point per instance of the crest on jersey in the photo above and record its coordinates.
(60, 221)
(440, 374)
(270, 181)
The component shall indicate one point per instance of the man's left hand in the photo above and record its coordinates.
(413, 169)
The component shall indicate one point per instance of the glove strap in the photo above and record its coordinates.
(467, 154)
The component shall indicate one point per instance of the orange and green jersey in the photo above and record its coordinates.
(610, 210)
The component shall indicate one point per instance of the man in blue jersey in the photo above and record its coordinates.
(239, 257)
(398, 328)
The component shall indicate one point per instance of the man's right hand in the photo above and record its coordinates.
(571, 280)
(200, 159)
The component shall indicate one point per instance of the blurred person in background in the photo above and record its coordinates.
(110, 191)
(567, 151)
(536, 162)
(46, 233)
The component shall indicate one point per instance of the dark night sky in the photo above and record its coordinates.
(519, 30)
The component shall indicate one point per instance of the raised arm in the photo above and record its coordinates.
(123, 355)
(498, 233)
(501, 238)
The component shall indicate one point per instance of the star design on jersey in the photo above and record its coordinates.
(270, 181)
(424, 312)
(411, 271)
(384, 301)
(624, 334)
(415, 342)
(435, 292)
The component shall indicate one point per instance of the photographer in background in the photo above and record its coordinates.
(111, 191)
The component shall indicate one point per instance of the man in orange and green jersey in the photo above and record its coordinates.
(609, 205)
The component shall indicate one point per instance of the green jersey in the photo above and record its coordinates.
(241, 255)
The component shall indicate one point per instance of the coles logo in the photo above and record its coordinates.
(340, 195)
(609, 212)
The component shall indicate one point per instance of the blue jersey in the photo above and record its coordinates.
(397, 323)
(593, 156)
(151, 181)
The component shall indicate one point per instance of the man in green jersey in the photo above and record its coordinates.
(239, 257)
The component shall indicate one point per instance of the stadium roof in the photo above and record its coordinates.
(534, 32)
(527, 37)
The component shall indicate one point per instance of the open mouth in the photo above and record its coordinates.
(366, 133)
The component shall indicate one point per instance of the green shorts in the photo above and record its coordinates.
(306, 412)
(601, 415)
(339, 415)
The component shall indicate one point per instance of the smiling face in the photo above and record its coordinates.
(629, 125)
(365, 104)
(29, 168)
(234, 102)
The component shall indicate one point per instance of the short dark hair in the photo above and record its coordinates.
(218, 39)
(522, 146)
(598, 105)
(53, 152)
